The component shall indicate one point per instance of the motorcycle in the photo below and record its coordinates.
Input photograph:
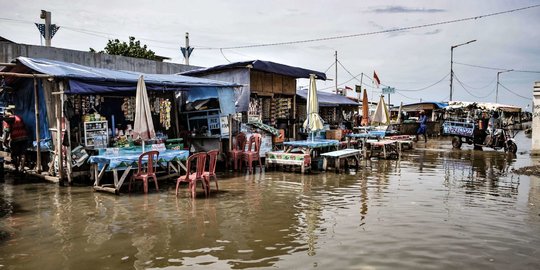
(474, 133)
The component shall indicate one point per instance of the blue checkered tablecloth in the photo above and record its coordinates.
(131, 158)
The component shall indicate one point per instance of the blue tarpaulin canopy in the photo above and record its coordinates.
(426, 105)
(90, 80)
(328, 99)
(265, 66)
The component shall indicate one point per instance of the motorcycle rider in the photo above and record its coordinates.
(494, 129)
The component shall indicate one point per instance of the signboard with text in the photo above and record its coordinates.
(388, 90)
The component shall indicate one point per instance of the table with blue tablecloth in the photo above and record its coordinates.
(125, 160)
(307, 146)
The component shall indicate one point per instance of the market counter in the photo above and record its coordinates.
(205, 143)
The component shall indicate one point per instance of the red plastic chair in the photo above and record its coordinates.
(143, 174)
(238, 149)
(193, 177)
(211, 168)
(252, 153)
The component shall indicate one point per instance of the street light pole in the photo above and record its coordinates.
(452, 64)
(497, 91)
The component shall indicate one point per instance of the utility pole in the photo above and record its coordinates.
(186, 51)
(360, 93)
(46, 15)
(452, 64)
(336, 72)
(497, 91)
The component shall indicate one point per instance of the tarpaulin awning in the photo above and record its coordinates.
(328, 99)
(482, 106)
(265, 66)
(424, 106)
(90, 80)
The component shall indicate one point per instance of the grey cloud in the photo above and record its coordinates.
(434, 32)
(402, 9)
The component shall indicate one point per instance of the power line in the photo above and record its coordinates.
(469, 92)
(424, 88)
(378, 32)
(528, 98)
(478, 88)
(333, 63)
(495, 68)
(406, 96)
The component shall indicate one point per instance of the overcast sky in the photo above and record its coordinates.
(407, 60)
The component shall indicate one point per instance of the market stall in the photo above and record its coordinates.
(267, 94)
(95, 107)
(408, 124)
(337, 111)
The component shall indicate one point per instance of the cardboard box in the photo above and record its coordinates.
(280, 138)
(335, 134)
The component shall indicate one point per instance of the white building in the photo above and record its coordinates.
(535, 150)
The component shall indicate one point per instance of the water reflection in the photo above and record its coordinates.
(427, 208)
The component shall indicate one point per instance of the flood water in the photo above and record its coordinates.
(435, 208)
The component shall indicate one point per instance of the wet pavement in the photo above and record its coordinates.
(435, 208)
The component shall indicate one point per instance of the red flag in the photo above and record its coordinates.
(346, 87)
(376, 78)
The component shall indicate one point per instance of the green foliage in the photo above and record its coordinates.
(131, 49)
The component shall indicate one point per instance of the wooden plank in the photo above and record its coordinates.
(267, 83)
(289, 85)
(255, 79)
(106, 189)
(25, 75)
(277, 81)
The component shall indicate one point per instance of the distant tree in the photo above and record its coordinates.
(131, 49)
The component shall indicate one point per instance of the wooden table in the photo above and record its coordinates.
(126, 160)
(307, 146)
(388, 148)
(341, 154)
(282, 158)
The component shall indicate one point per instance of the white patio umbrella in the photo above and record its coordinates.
(313, 119)
(399, 112)
(381, 113)
(143, 126)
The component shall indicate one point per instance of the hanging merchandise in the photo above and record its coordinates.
(128, 108)
(165, 113)
(254, 107)
(267, 108)
(283, 107)
(156, 105)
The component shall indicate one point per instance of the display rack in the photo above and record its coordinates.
(96, 134)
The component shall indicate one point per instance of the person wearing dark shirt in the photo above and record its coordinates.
(422, 130)
(16, 136)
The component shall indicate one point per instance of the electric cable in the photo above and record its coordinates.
(528, 98)
(398, 29)
(381, 31)
(478, 88)
(495, 68)
(468, 91)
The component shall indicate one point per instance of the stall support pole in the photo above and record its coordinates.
(36, 108)
(59, 154)
(68, 134)
(176, 113)
(229, 120)
(294, 117)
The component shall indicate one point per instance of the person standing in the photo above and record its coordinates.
(16, 136)
(422, 130)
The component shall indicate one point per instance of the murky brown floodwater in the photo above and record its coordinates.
(433, 209)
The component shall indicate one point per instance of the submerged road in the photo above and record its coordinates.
(435, 208)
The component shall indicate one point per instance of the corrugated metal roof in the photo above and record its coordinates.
(328, 99)
(265, 66)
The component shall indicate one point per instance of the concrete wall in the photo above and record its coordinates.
(10, 51)
(536, 120)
